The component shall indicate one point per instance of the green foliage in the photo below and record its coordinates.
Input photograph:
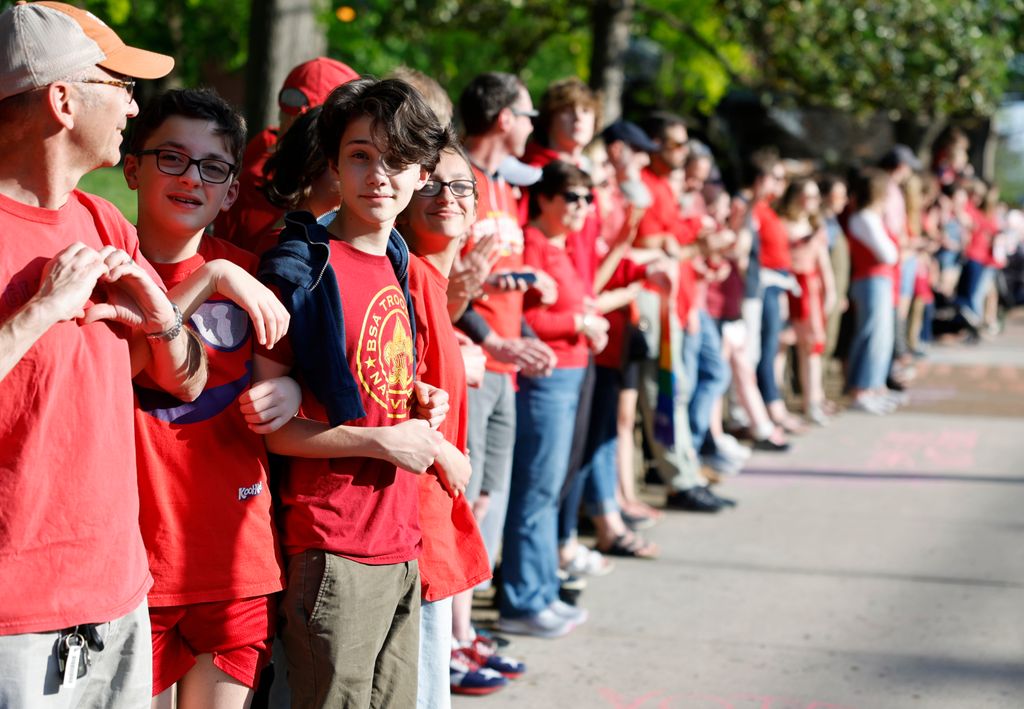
(913, 58)
(453, 41)
(108, 183)
(197, 33)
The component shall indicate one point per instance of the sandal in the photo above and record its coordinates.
(632, 545)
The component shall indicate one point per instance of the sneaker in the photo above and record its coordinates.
(467, 677)
(721, 463)
(571, 582)
(869, 405)
(730, 447)
(696, 499)
(486, 656)
(816, 415)
(543, 624)
(576, 616)
(588, 562)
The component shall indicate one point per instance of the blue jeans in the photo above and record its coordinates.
(710, 377)
(974, 282)
(772, 326)
(873, 333)
(545, 417)
(598, 477)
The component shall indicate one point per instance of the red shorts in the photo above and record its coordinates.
(238, 633)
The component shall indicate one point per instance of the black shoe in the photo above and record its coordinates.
(696, 499)
(766, 444)
(895, 384)
(723, 501)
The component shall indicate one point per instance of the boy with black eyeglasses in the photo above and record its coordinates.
(205, 507)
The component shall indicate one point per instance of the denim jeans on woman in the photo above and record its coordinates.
(871, 348)
(705, 368)
(973, 287)
(772, 326)
(598, 477)
(545, 417)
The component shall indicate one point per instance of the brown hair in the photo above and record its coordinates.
(409, 132)
(560, 95)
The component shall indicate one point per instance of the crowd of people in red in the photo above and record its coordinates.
(394, 351)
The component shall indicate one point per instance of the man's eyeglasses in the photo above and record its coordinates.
(673, 145)
(458, 188)
(574, 197)
(126, 84)
(171, 162)
(523, 112)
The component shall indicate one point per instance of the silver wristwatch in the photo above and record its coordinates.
(171, 332)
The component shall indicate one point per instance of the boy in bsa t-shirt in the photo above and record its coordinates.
(349, 505)
(205, 506)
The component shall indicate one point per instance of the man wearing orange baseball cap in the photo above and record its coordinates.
(81, 312)
(252, 216)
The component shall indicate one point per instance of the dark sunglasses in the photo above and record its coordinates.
(574, 197)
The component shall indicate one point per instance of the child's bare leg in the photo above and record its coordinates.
(206, 686)
(462, 616)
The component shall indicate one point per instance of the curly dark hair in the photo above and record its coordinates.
(400, 119)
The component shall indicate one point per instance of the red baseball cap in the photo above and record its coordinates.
(309, 84)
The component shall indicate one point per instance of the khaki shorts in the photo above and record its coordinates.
(119, 677)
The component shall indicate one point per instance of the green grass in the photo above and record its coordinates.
(108, 183)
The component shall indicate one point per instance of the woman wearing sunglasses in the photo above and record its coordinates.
(546, 409)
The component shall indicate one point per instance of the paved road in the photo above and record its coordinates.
(878, 565)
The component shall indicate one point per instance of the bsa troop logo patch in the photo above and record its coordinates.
(385, 352)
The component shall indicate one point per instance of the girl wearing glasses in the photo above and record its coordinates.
(453, 558)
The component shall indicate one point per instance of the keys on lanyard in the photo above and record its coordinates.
(72, 657)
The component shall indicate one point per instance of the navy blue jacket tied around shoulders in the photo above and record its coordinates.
(299, 268)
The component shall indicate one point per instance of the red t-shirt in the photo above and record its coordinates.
(665, 216)
(774, 238)
(580, 245)
(363, 509)
(205, 507)
(70, 547)
(979, 248)
(453, 557)
(496, 214)
(555, 324)
(251, 217)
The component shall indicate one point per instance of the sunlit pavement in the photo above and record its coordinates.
(879, 564)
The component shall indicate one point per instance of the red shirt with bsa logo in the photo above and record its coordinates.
(204, 495)
(363, 509)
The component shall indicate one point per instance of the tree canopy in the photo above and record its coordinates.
(911, 58)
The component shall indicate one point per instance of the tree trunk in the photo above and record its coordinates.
(282, 34)
(610, 20)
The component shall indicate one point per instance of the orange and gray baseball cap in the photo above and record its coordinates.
(309, 84)
(44, 42)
